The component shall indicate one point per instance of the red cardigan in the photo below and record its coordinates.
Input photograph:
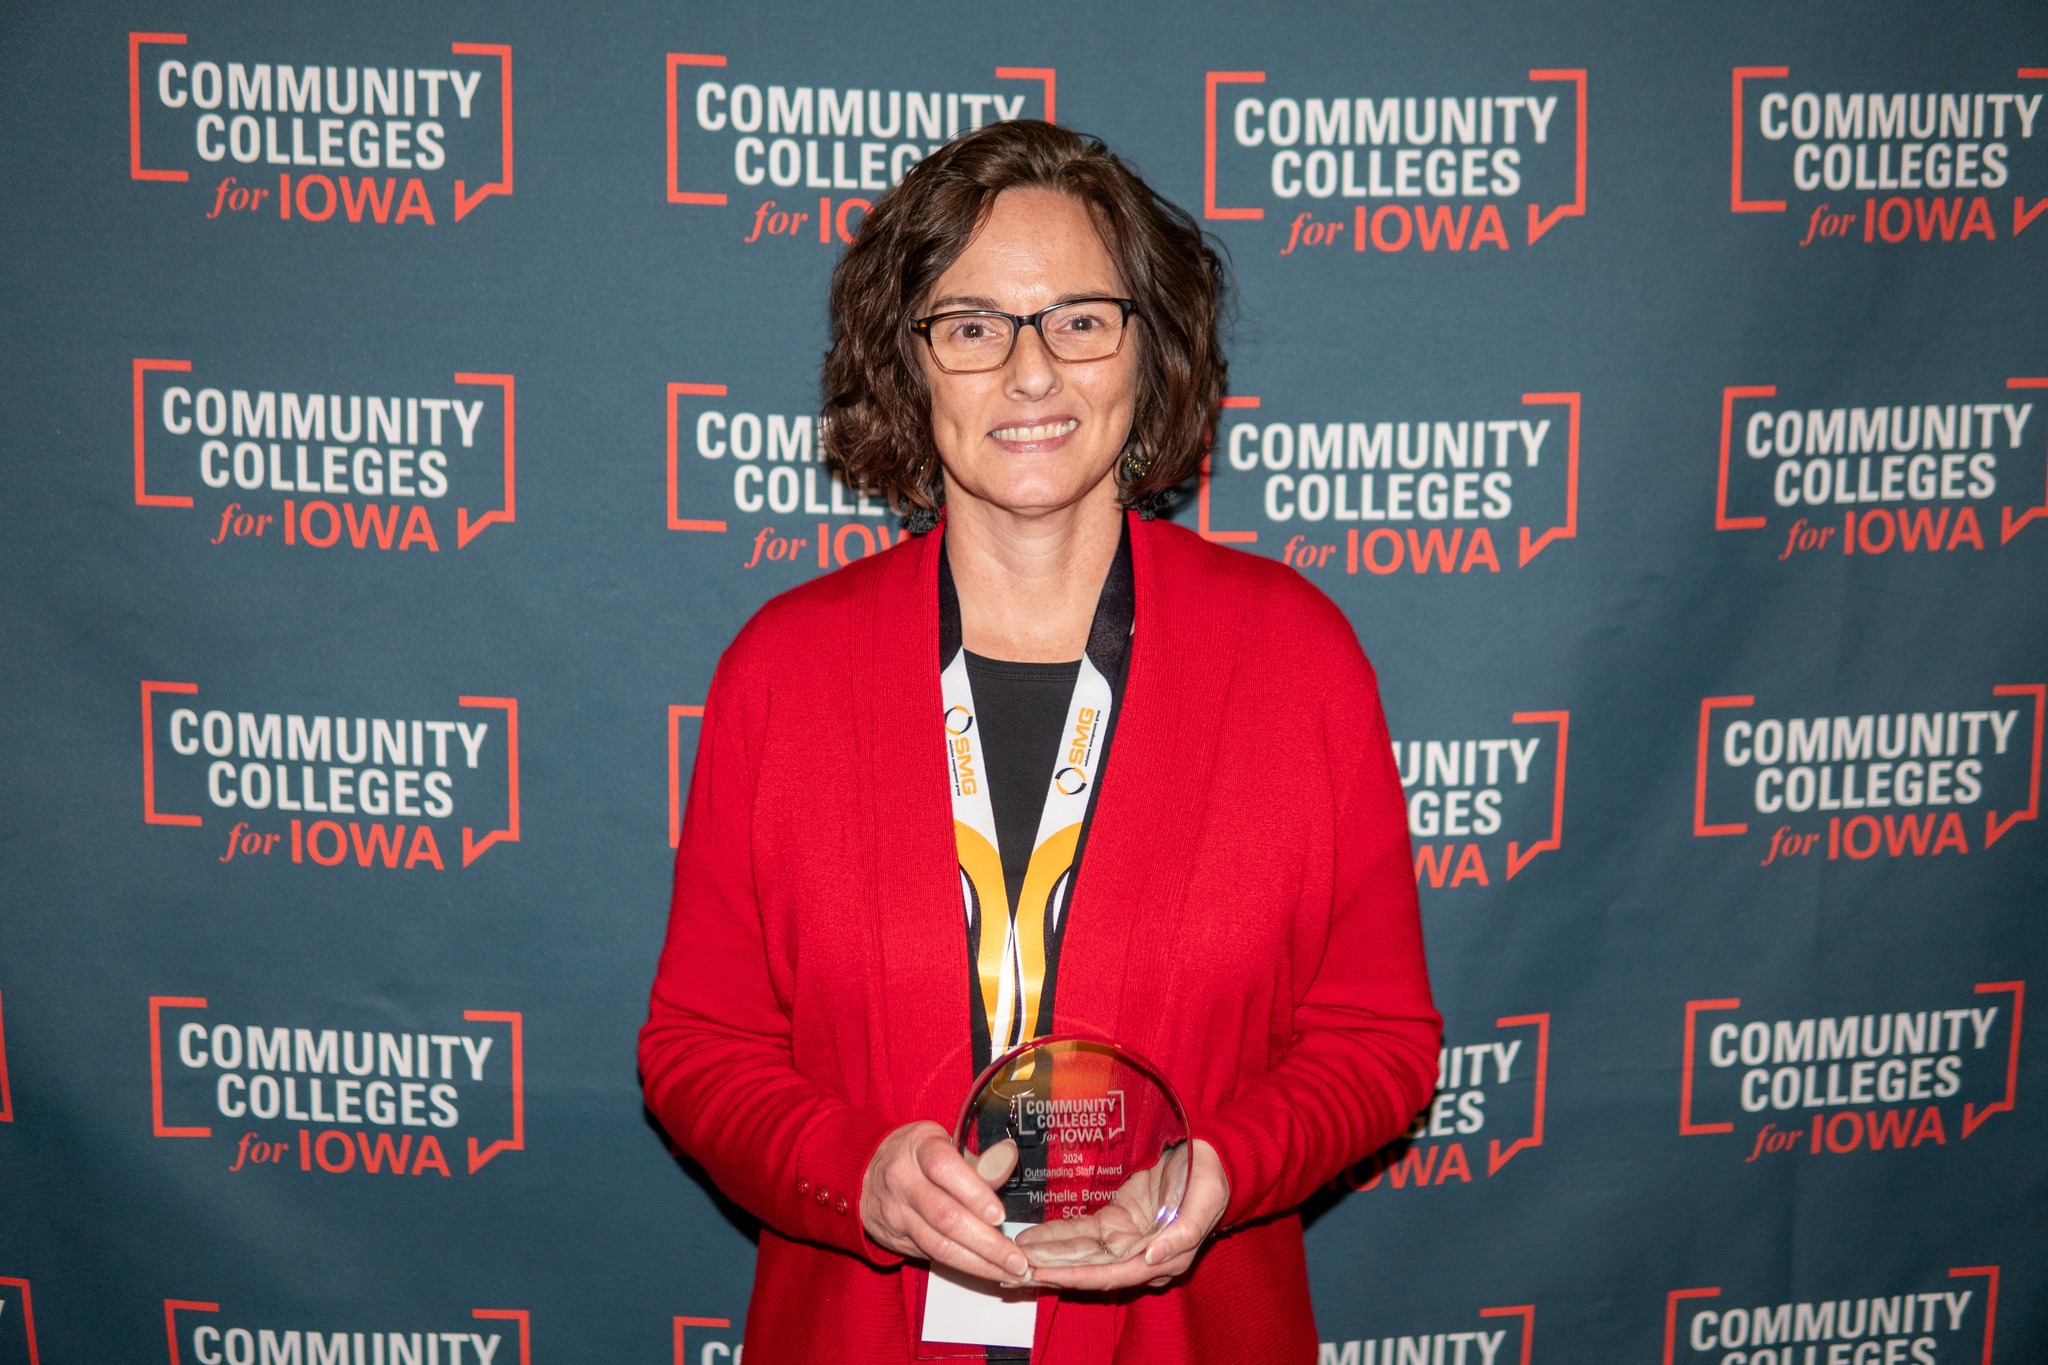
(1245, 917)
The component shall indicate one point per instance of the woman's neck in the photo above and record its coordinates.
(1028, 583)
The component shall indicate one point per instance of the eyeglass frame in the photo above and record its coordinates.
(1018, 322)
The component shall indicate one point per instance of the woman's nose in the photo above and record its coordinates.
(1032, 371)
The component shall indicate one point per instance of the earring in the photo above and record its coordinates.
(1135, 463)
(919, 519)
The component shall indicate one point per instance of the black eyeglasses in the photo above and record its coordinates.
(971, 341)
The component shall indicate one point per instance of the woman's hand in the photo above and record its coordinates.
(920, 1197)
(1169, 1255)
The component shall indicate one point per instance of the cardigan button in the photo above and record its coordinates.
(803, 1187)
(840, 1206)
(824, 1195)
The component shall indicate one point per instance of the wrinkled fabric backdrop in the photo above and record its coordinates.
(404, 405)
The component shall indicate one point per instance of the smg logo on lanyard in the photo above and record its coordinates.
(1011, 954)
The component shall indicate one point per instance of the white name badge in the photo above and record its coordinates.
(961, 1308)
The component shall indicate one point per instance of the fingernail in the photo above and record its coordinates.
(994, 1214)
(1017, 1265)
(1148, 1255)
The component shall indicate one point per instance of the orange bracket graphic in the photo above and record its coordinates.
(518, 1315)
(1973, 1117)
(28, 1315)
(1990, 1273)
(2009, 525)
(1517, 860)
(158, 1004)
(1736, 203)
(1527, 1313)
(473, 847)
(171, 1308)
(1211, 80)
(1202, 490)
(676, 194)
(465, 201)
(150, 814)
(1994, 828)
(143, 497)
(1693, 1010)
(1540, 223)
(1569, 530)
(1671, 1302)
(6, 1092)
(1046, 74)
(517, 1142)
(2021, 214)
(136, 42)
(681, 1323)
(465, 529)
(1722, 521)
(677, 522)
(1700, 828)
(675, 769)
(1496, 1156)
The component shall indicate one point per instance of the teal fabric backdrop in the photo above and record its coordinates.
(404, 404)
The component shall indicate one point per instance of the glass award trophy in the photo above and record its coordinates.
(1090, 1143)
(1087, 1147)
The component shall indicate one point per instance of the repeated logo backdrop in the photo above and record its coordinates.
(404, 405)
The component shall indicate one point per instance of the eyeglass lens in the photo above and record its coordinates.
(1087, 330)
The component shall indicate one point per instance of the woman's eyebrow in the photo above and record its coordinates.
(978, 301)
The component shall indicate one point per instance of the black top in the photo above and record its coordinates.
(1021, 708)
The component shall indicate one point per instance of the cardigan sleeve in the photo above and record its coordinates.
(1362, 1058)
(715, 1054)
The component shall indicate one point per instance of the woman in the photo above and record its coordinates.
(1024, 351)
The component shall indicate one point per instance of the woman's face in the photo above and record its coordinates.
(1038, 434)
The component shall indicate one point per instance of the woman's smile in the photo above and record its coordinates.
(1046, 435)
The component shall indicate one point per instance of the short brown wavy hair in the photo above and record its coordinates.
(877, 427)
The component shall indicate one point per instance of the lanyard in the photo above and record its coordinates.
(1012, 944)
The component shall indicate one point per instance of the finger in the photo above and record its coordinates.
(1207, 1195)
(1165, 1257)
(995, 1164)
(942, 1165)
(941, 1250)
(1088, 1227)
(955, 1223)
(1104, 1278)
(1182, 1238)
(1063, 1242)
(1200, 1210)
